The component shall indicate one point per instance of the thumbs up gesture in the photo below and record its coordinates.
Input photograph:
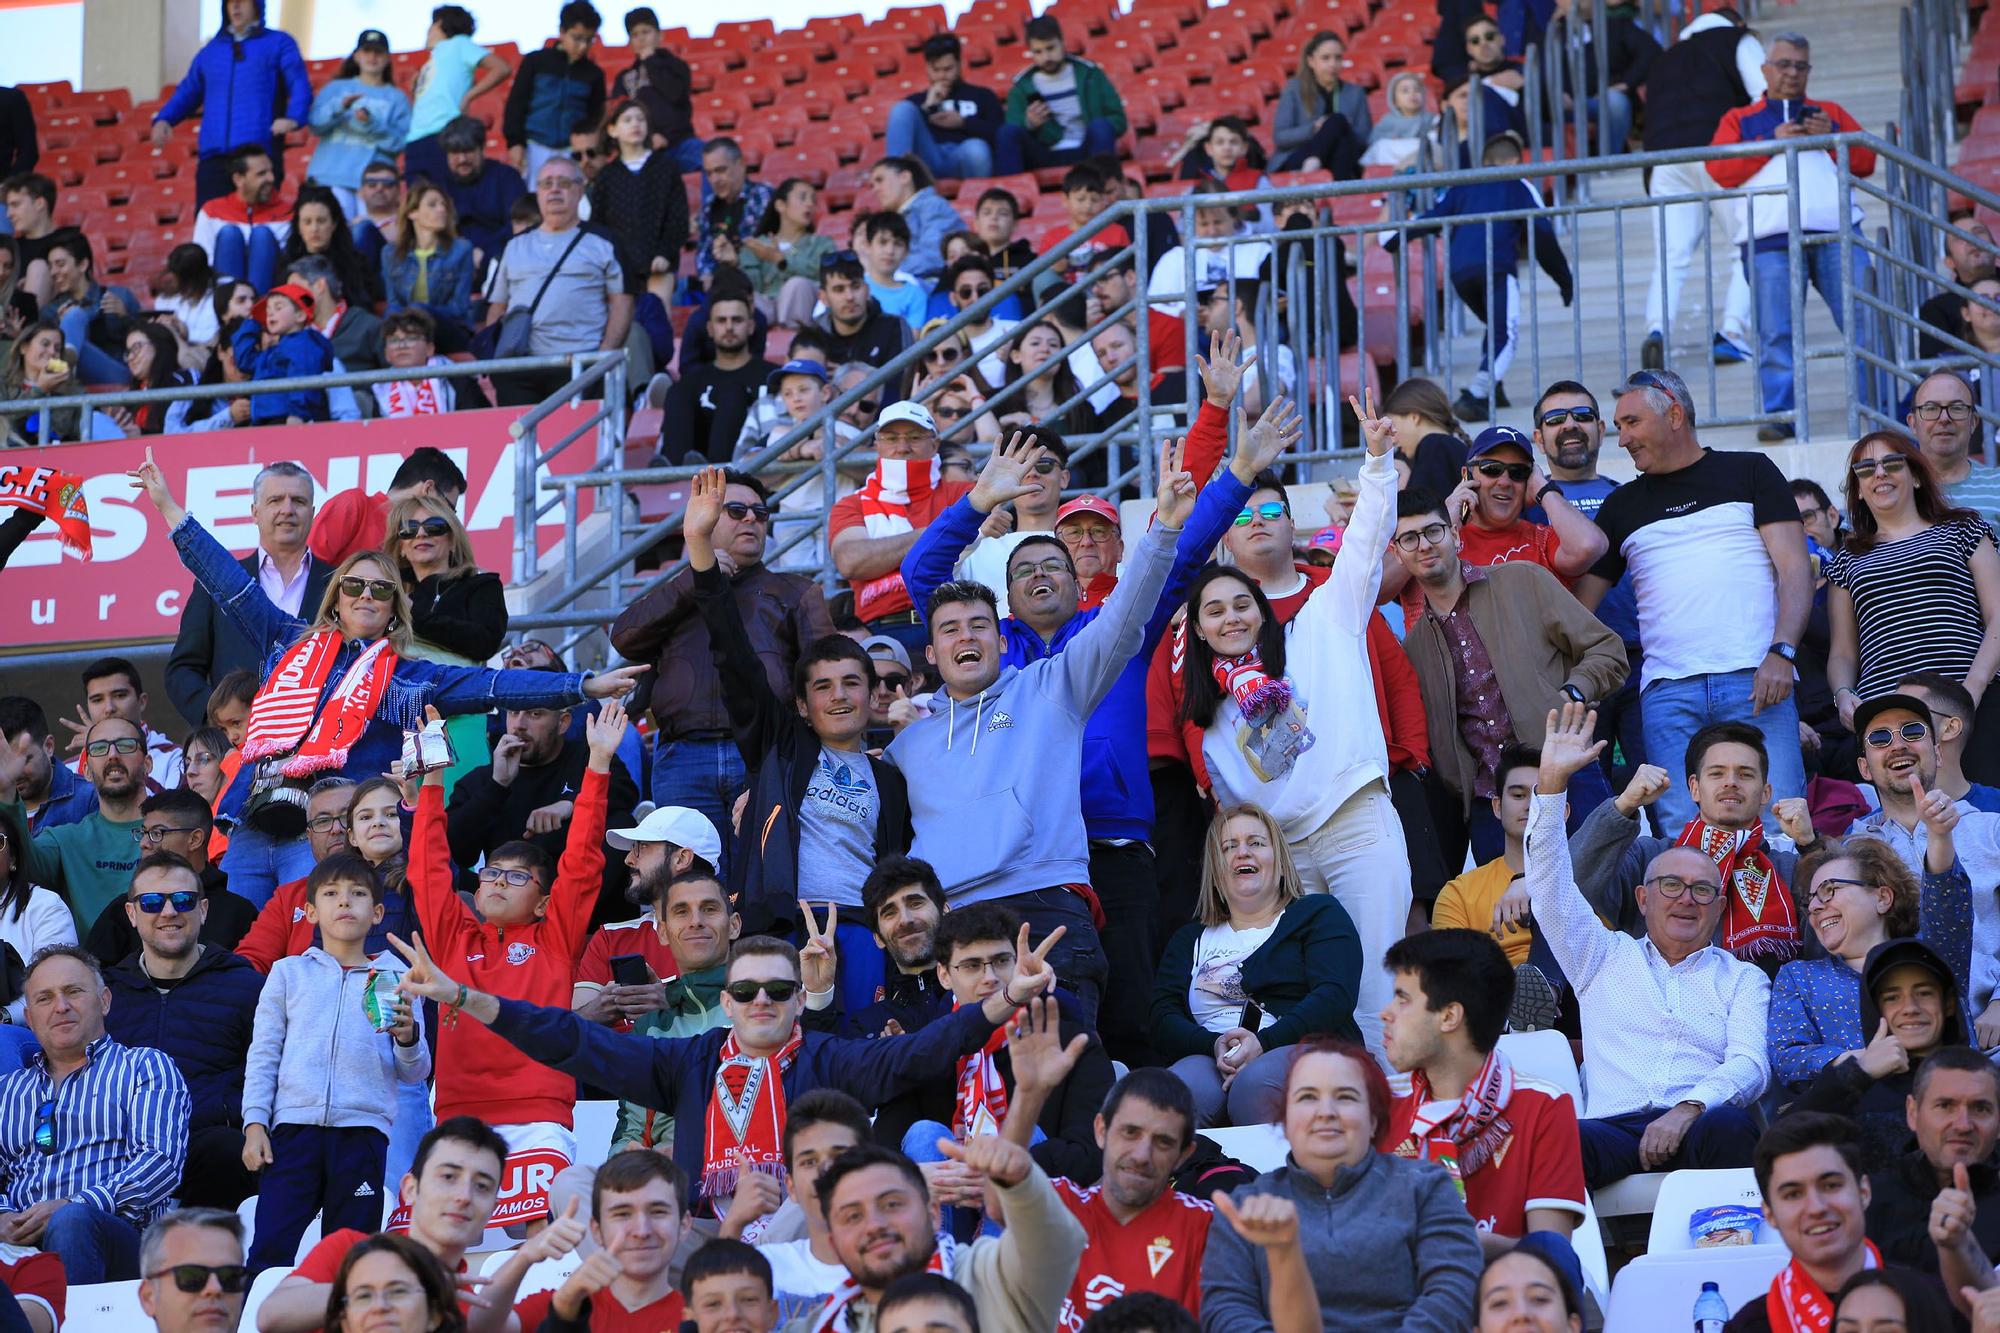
(1952, 1214)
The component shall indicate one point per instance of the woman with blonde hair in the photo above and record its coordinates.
(1265, 965)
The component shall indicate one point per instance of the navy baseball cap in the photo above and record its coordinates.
(801, 367)
(1495, 436)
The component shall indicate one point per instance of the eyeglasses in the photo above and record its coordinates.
(739, 511)
(1703, 891)
(429, 527)
(154, 834)
(1430, 534)
(1809, 513)
(970, 294)
(1482, 38)
(1555, 416)
(1881, 738)
(327, 823)
(404, 340)
(1270, 511)
(836, 259)
(587, 154)
(743, 992)
(1051, 566)
(561, 182)
(45, 1128)
(1791, 66)
(1089, 534)
(123, 745)
(951, 413)
(193, 1278)
(519, 879)
(378, 182)
(972, 967)
(380, 590)
(184, 901)
(1895, 465)
(1824, 891)
(1957, 411)
(1492, 471)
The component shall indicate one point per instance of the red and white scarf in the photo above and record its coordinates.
(746, 1115)
(1795, 1303)
(832, 1317)
(285, 707)
(1259, 694)
(1758, 919)
(56, 496)
(1474, 1130)
(892, 490)
(412, 398)
(981, 1105)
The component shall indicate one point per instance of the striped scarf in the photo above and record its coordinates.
(288, 704)
(981, 1104)
(1256, 692)
(1758, 919)
(746, 1115)
(1471, 1133)
(832, 1317)
(1795, 1303)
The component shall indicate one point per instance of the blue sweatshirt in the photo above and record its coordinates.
(301, 352)
(1117, 790)
(238, 86)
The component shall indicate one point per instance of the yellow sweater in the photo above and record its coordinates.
(1468, 902)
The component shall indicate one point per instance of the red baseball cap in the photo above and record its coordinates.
(1089, 504)
(292, 292)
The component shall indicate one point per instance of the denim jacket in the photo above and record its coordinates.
(450, 287)
(416, 683)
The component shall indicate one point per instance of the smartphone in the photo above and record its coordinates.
(1253, 1017)
(629, 969)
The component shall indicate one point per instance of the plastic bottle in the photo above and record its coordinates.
(1710, 1311)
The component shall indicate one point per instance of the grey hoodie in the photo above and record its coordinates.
(314, 1057)
(993, 779)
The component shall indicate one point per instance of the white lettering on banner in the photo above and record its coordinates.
(496, 499)
(42, 611)
(105, 601)
(221, 500)
(168, 603)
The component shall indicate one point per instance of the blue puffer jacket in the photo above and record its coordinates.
(301, 352)
(237, 94)
(454, 689)
(202, 1023)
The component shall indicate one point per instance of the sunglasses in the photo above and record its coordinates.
(378, 182)
(1881, 738)
(1893, 466)
(1516, 472)
(971, 293)
(1270, 511)
(1046, 467)
(868, 406)
(1555, 416)
(429, 527)
(380, 589)
(45, 1128)
(156, 834)
(1433, 533)
(1482, 38)
(891, 680)
(836, 259)
(184, 901)
(519, 879)
(739, 511)
(1703, 891)
(951, 413)
(948, 354)
(193, 1278)
(743, 992)
(123, 745)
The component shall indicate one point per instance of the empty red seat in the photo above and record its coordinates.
(810, 164)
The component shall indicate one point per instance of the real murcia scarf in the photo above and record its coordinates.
(832, 1317)
(1260, 695)
(981, 1105)
(1795, 1303)
(285, 717)
(1476, 1128)
(895, 487)
(56, 496)
(746, 1115)
(1758, 920)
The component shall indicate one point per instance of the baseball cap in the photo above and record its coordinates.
(885, 649)
(675, 824)
(914, 413)
(1905, 953)
(372, 37)
(1868, 710)
(777, 377)
(292, 292)
(1089, 504)
(1493, 437)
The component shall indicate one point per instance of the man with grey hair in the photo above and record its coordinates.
(1785, 112)
(354, 330)
(1944, 416)
(1694, 517)
(192, 1278)
(209, 645)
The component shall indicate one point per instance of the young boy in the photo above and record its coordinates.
(661, 82)
(993, 222)
(330, 1041)
(883, 242)
(637, 1217)
(726, 1288)
(279, 342)
(1084, 197)
(1469, 902)
(523, 943)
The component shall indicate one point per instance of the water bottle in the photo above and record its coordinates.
(1710, 1312)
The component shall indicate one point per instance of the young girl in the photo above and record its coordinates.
(361, 118)
(642, 199)
(1398, 136)
(782, 258)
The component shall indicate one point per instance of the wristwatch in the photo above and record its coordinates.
(1572, 693)
(1546, 488)
(1784, 650)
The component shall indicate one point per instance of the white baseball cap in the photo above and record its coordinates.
(674, 824)
(913, 412)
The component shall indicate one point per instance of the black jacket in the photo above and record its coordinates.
(663, 83)
(782, 751)
(878, 340)
(357, 339)
(1629, 55)
(202, 1021)
(18, 150)
(705, 409)
(230, 916)
(1899, 1210)
(1691, 86)
(646, 211)
(466, 615)
(209, 646)
(1306, 976)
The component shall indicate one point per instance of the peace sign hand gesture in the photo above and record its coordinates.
(1032, 973)
(819, 961)
(1378, 432)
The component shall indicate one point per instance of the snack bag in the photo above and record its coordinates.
(1724, 1224)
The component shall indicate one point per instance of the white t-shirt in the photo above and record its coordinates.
(1215, 990)
(800, 1281)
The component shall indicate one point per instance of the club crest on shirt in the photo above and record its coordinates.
(1158, 1253)
(518, 953)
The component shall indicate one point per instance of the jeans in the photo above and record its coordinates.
(95, 1246)
(1358, 856)
(97, 365)
(257, 863)
(1773, 276)
(1618, 106)
(1252, 1097)
(252, 257)
(1674, 710)
(1078, 957)
(706, 776)
(910, 132)
(1721, 1136)
(1679, 230)
(1017, 149)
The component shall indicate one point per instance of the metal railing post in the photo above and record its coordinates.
(1795, 295)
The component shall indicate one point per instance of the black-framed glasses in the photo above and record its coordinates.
(380, 589)
(45, 1128)
(378, 182)
(1703, 891)
(743, 992)
(1493, 470)
(1824, 891)
(1556, 416)
(1792, 66)
(1958, 410)
(122, 744)
(1051, 566)
(327, 823)
(428, 527)
(739, 511)
(837, 258)
(1895, 465)
(519, 879)
(1810, 513)
(971, 294)
(152, 904)
(1270, 511)
(1881, 738)
(1430, 534)
(193, 1278)
(152, 835)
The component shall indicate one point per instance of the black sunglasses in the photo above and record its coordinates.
(950, 413)
(380, 589)
(184, 901)
(193, 1278)
(837, 258)
(743, 992)
(890, 680)
(739, 511)
(1555, 416)
(1512, 471)
(971, 293)
(1881, 738)
(429, 527)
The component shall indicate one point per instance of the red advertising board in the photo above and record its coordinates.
(133, 588)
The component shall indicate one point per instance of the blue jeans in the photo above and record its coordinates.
(702, 775)
(253, 259)
(920, 1142)
(98, 366)
(1721, 1136)
(1017, 149)
(413, 1121)
(910, 132)
(95, 1246)
(257, 863)
(1674, 710)
(1618, 107)
(1771, 279)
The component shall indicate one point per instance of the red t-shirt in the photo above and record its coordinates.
(1166, 349)
(606, 1314)
(1539, 1166)
(39, 1277)
(1159, 1250)
(1536, 543)
(322, 1261)
(625, 937)
(350, 521)
(1102, 241)
(280, 930)
(885, 595)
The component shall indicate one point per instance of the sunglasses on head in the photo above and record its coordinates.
(836, 259)
(739, 511)
(1892, 466)
(193, 1278)
(1555, 416)
(429, 527)
(380, 589)
(1493, 471)
(743, 992)
(123, 745)
(1881, 738)
(184, 901)
(1270, 511)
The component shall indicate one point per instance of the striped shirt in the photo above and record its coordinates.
(1915, 604)
(121, 1130)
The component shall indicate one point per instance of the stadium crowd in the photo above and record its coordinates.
(918, 933)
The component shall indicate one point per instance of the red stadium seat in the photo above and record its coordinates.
(841, 188)
(811, 164)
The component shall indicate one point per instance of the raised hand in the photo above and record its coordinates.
(1036, 1048)
(758, 1194)
(603, 730)
(1277, 431)
(147, 477)
(1983, 1307)
(1648, 784)
(507, 752)
(614, 684)
(1953, 1213)
(559, 1237)
(1175, 500)
(1794, 816)
(704, 505)
(819, 960)
(425, 980)
(1884, 1054)
(1221, 373)
(1567, 746)
(1268, 1221)
(1007, 474)
(1377, 432)
(593, 1275)
(1032, 973)
(997, 1159)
